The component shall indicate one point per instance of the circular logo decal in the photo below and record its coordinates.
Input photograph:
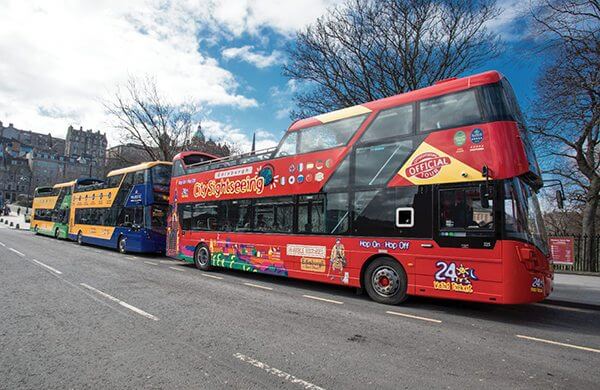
(319, 164)
(460, 138)
(309, 178)
(476, 136)
(300, 179)
(319, 176)
(292, 180)
(292, 168)
(266, 173)
(328, 163)
(426, 165)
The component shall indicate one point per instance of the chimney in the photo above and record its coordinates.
(10, 125)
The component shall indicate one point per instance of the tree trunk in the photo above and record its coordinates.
(589, 224)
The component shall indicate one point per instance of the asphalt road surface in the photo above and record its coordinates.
(85, 317)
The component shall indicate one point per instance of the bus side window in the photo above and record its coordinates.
(461, 209)
(311, 214)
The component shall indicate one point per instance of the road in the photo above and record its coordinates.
(78, 317)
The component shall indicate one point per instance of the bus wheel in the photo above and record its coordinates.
(385, 281)
(202, 258)
(79, 238)
(36, 230)
(122, 246)
(57, 233)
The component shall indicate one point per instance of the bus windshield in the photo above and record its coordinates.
(161, 175)
(522, 214)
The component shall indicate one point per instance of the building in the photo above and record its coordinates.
(121, 156)
(50, 168)
(15, 177)
(86, 144)
(29, 159)
(35, 140)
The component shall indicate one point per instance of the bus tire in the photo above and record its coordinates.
(202, 258)
(79, 238)
(36, 230)
(385, 281)
(122, 245)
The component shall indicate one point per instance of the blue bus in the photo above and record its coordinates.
(127, 211)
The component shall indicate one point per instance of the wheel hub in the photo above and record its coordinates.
(203, 256)
(385, 281)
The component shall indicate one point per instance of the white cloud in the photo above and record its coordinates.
(258, 59)
(222, 132)
(509, 23)
(60, 60)
(251, 16)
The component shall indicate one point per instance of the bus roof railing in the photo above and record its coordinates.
(231, 161)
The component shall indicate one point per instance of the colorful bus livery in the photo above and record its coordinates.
(127, 211)
(430, 193)
(51, 205)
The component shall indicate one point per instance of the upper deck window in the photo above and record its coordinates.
(454, 110)
(161, 175)
(392, 122)
(325, 136)
(288, 146)
(329, 135)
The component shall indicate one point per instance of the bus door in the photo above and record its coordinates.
(466, 231)
(132, 219)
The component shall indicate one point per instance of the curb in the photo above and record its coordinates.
(578, 305)
(583, 273)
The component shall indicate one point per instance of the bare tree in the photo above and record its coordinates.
(567, 113)
(146, 118)
(368, 49)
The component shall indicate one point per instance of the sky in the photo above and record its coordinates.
(60, 60)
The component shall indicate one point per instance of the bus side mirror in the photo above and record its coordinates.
(560, 199)
(484, 196)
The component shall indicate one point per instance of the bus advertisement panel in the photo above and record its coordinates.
(432, 192)
(127, 211)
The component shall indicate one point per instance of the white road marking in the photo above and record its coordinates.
(2, 244)
(17, 252)
(177, 269)
(323, 299)
(172, 262)
(47, 266)
(414, 317)
(211, 276)
(149, 262)
(558, 343)
(575, 309)
(120, 302)
(132, 257)
(277, 372)
(258, 286)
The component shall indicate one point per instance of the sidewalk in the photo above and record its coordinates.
(15, 219)
(576, 290)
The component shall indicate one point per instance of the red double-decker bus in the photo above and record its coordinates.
(431, 193)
